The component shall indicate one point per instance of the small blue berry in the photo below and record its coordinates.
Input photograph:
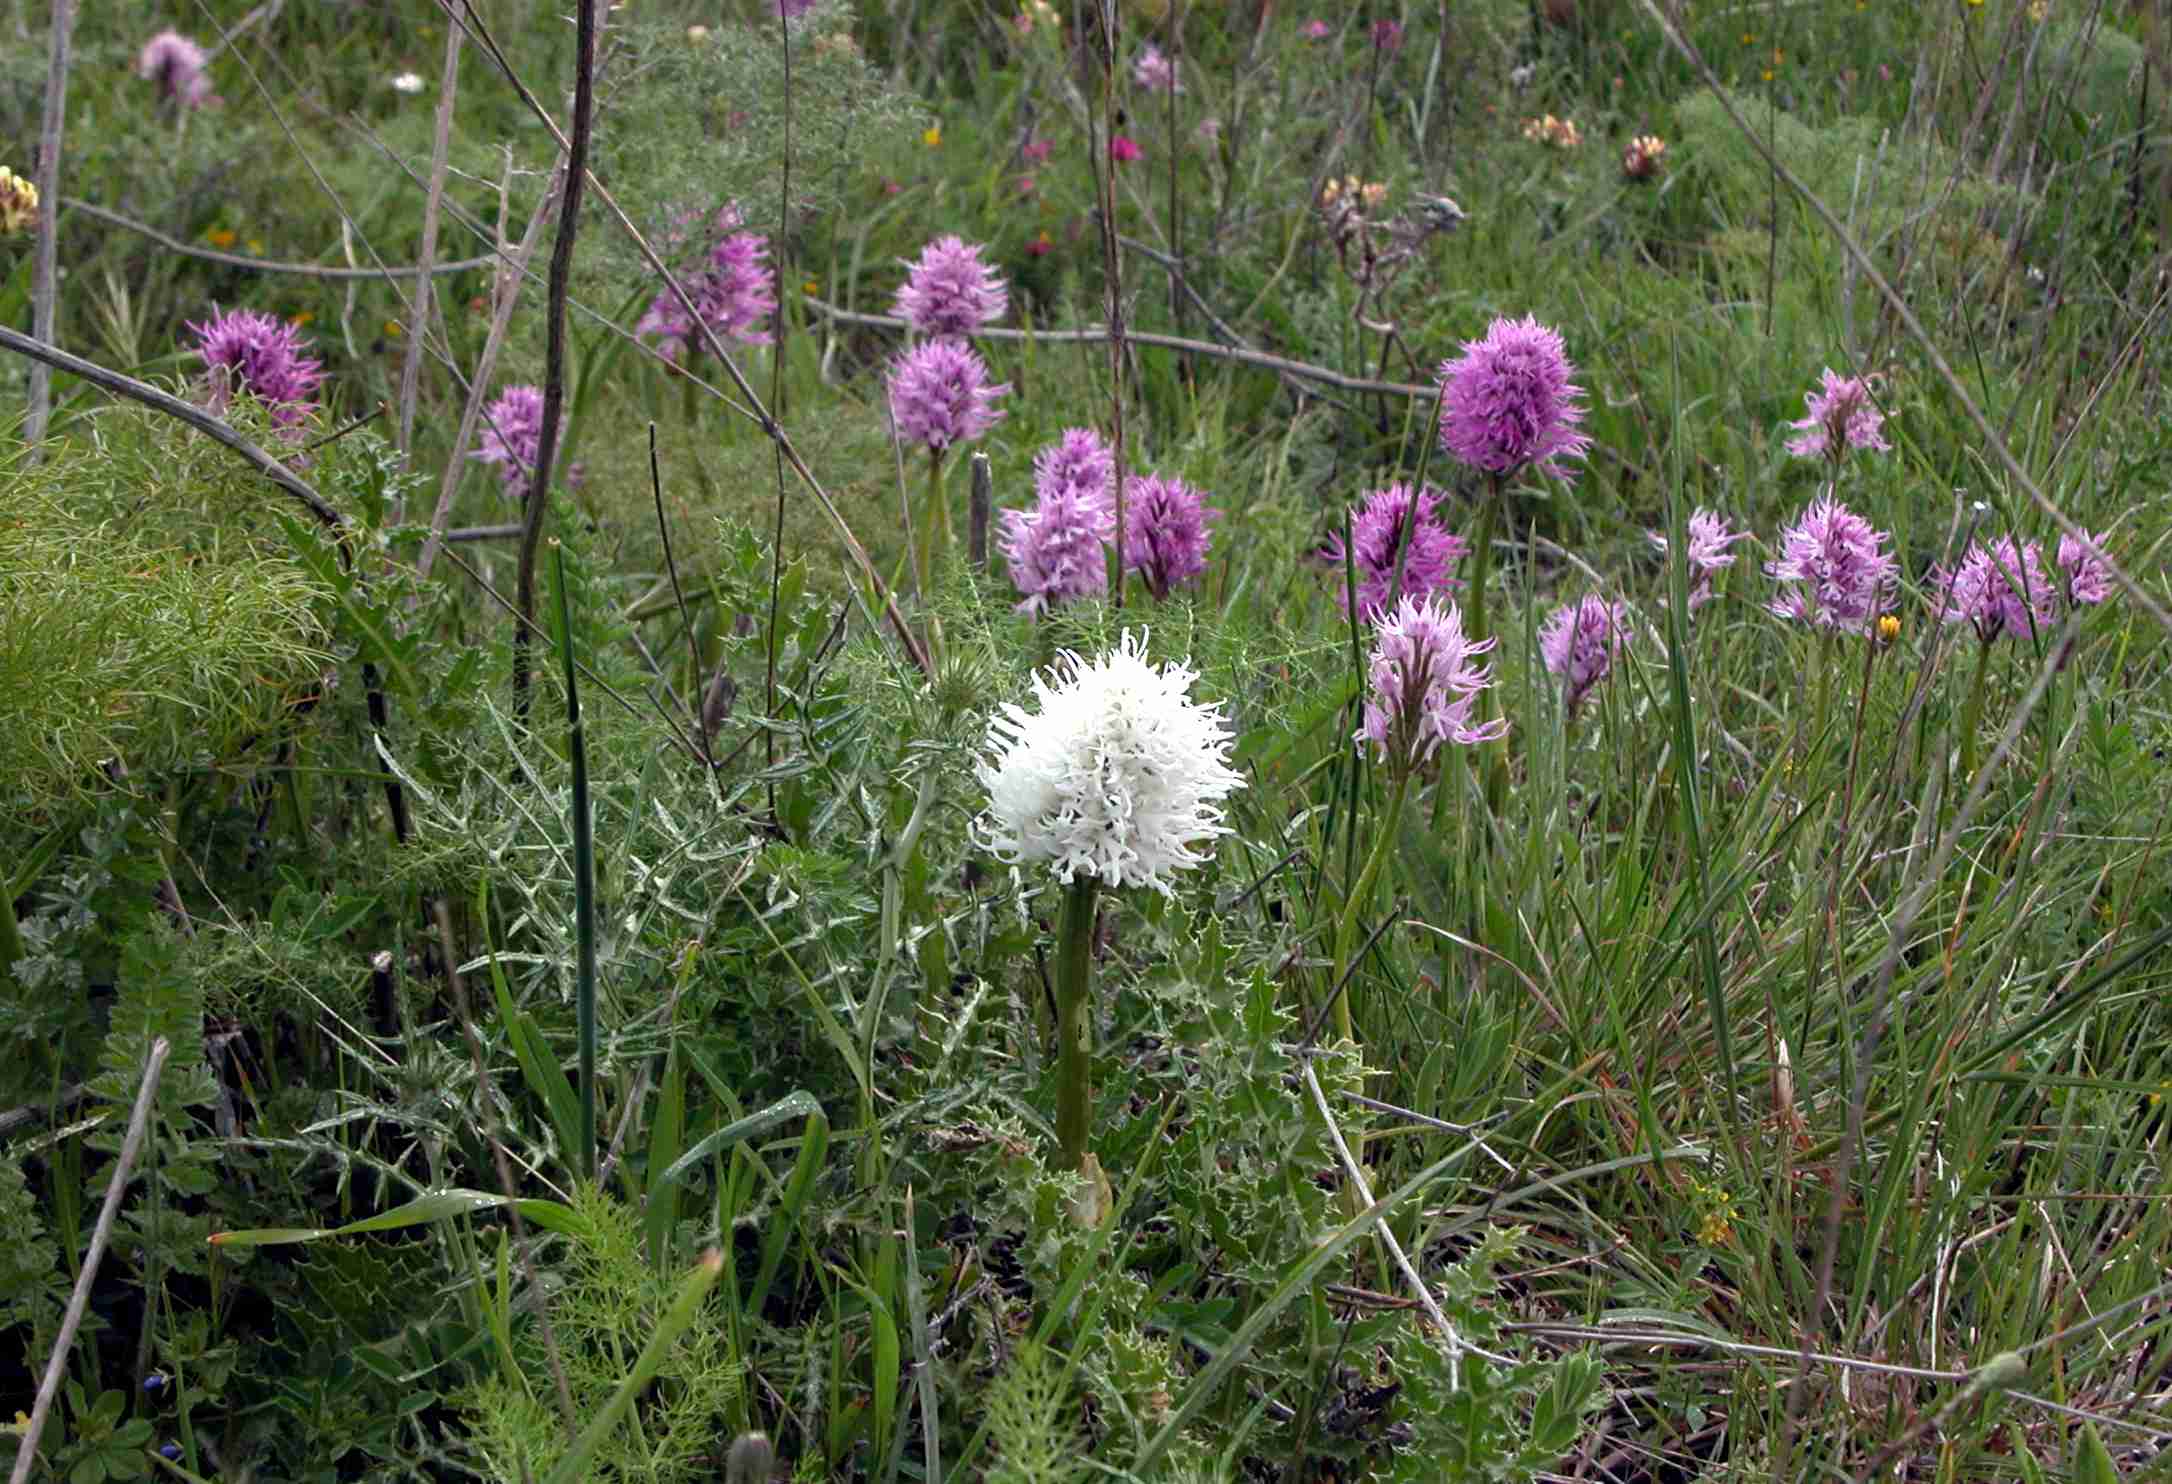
(154, 1383)
(170, 1452)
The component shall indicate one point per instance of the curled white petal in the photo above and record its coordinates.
(1117, 774)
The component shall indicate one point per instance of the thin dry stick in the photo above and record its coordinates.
(1112, 269)
(56, 1364)
(510, 276)
(44, 275)
(269, 10)
(554, 343)
(263, 265)
(419, 317)
(1356, 1176)
(202, 421)
(1096, 334)
(776, 400)
(877, 591)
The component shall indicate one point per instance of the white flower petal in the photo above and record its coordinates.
(1118, 773)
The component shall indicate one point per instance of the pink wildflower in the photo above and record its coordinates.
(263, 355)
(512, 437)
(1390, 520)
(1999, 589)
(1056, 549)
(1155, 73)
(733, 291)
(1841, 416)
(1579, 642)
(1165, 531)
(2087, 577)
(1838, 577)
(1709, 539)
(176, 64)
(940, 395)
(1422, 684)
(1510, 403)
(949, 291)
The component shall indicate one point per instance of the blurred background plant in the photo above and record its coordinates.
(1799, 993)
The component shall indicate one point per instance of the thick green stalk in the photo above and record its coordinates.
(1074, 995)
(1389, 827)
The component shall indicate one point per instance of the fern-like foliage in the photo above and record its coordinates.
(147, 618)
(608, 1302)
(1027, 1412)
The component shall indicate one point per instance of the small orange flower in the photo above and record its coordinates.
(221, 237)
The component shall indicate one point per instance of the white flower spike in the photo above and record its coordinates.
(1119, 775)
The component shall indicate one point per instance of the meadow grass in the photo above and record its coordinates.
(1753, 1070)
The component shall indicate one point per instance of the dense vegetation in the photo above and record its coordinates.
(962, 896)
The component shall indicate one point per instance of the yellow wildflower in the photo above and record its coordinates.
(933, 137)
(18, 203)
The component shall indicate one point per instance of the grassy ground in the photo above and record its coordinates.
(1760, 1069)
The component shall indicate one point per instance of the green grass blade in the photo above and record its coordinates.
(684, 1308)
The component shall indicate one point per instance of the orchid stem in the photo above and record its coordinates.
(1074, 994)
(934, 525)
(1484, 757)
(1390, 827)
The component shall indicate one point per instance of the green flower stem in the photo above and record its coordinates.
(1074, 994)
(1474, 610)
(934, 524)
(1486, 757)
(1390, 826)
(1823, 711)
(1972, 719)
